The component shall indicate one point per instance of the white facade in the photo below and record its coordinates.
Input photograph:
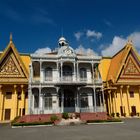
(64, 81)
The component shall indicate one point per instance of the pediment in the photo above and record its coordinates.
(131, 68)
(10, 67)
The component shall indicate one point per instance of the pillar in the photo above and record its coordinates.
(61, 71)
(109, 102)
(139, 97)
(95, 105)
(62, 100)
(40, 101)
(74, 72)
(103, 99)
(1, 103)
(15, 101)
(57, 71)
(127, 94)
(22, 98)
(90, 102)
(115, 108)
(30, 99)
(55, 103)
(77, 71)
(121, 92)
(41, 74)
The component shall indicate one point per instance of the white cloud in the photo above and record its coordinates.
(119, 42)
(85, 51)
(93, 34)
(78, 35)
(43, 50)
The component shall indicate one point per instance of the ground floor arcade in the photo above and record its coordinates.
(47, 100)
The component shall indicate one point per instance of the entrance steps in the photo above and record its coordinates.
(72, 121)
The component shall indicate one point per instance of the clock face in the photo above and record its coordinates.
(68, 51)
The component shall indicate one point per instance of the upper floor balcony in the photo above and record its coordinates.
(65, 74)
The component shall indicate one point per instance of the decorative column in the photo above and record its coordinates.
(90, 102)
(62, 100)
(100, 101)
(54, 103)
(57, 71)
(1, 103)
(30, 100)
(103, 99)
(74, 72)
(115, 110)
(127, 94)
(92, 68)
(61, 71)
(77, 71)
(109, 102)
(15, 101)
(40, 101)
(77, 99)
(121, 92)
(31, 72)
(95, 105)
(41, 74)
(139, 95)
(22, 99)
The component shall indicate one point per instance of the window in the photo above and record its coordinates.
(83, 73)
(84, 100)
(48, 101)
(36, 100)
(48, 74)
(131, 93)
(8, 95)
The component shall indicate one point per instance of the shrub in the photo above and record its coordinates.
(138, 114)
(54, 118)
(15, 120)
(132, 114)
(103, 121)
(65, 115)
(31, 123)
(113, 114)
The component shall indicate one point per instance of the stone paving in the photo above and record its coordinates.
(129, 130)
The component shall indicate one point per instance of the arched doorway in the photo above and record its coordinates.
(69, 100)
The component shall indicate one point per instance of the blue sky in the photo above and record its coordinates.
(102, 25)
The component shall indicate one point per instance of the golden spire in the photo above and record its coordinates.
(11, 38)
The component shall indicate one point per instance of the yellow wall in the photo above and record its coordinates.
(14, 103)
(104, 67)
(131, 101)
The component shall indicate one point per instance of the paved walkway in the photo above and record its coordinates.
(129, 130)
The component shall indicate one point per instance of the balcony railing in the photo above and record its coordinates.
(67, 79)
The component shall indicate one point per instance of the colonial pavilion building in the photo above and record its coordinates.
(65, 81)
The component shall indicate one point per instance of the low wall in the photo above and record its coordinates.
(93, 116)
(36, 118)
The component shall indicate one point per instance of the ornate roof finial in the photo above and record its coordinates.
(129, 41)
(11, 38)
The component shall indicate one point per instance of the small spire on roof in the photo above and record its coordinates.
(129, 41)
(11, 38)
